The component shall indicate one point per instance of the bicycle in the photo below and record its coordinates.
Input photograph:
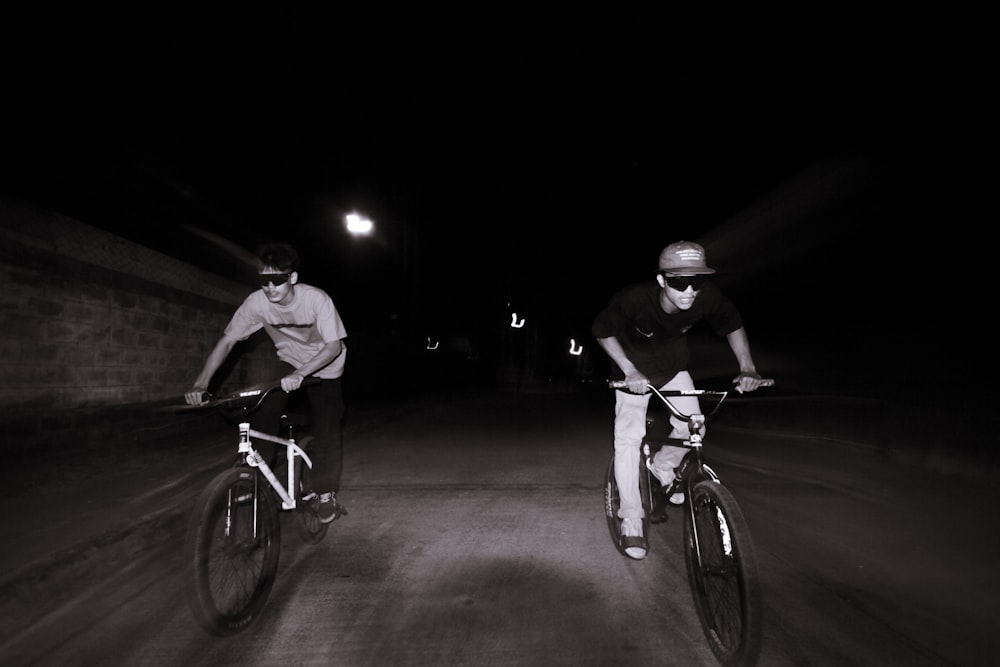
(234, 534)
(718, 550)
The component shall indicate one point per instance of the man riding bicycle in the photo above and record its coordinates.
(309, 335)
(643, 329)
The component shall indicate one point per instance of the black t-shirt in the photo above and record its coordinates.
(653, 340)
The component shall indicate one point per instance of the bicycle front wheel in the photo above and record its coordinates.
(722, 570)
(232, 547)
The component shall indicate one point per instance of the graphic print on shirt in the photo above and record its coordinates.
(282, 325)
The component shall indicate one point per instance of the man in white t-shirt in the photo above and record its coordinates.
(308, 335)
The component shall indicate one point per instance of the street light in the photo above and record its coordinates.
(358, 225)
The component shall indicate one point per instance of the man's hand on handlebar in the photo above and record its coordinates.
(197, 396)
(291, 382)
(750, 382)
(636, 383)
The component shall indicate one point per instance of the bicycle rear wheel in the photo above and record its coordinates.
(311, 529)
(612, 502)
(231, 550)
(722, 570)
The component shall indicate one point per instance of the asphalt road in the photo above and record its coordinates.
(476, 536)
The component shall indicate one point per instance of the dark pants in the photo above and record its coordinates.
(326, 408)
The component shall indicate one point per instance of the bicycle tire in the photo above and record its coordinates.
(311, 529)
(724, 582)
(612, 502)
(231, 564)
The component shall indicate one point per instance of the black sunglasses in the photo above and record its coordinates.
(681, 283)
(276, 279)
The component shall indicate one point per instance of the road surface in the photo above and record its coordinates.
(476, 536)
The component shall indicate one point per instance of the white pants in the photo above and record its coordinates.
(630, 429)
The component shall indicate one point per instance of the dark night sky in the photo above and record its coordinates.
(543, 169)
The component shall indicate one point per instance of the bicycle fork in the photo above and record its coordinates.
(695, 425)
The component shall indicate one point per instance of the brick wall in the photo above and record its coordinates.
(97, 329)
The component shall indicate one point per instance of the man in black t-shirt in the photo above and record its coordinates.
(643, 330)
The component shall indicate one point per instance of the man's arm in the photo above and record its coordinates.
(748, 379)
(215, 359)
(635, 380)
(330, 351)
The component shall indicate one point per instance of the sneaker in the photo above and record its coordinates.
(632, 540)
(309, 497)
(674, 497)
(328, 509)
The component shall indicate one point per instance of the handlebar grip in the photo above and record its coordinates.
(621, 384)
(764, 382)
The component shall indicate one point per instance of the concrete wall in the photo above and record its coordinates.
(97, 329)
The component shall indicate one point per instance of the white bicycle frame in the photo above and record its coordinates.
(255, 460)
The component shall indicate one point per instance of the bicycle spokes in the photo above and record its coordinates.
(727, 545)
(723, 574)
(232, 548)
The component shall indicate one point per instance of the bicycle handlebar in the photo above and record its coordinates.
(246, 397)
(620, 384)
(665, 395)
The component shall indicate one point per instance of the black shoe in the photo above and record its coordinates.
(658, 513)
(328, 508)
(633, 542)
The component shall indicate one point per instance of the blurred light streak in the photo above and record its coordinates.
(240, 254)
(815, 206)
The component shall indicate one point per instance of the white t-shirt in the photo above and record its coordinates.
(299, 330)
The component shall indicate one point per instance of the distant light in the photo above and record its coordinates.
(514, 322)
(574, 349)
(357, 224)
(432, 345)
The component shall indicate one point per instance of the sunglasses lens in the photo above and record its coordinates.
(681, 283)
(276, 279)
